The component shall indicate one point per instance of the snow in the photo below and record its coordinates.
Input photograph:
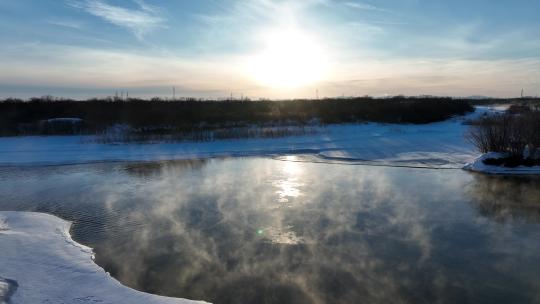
(42, 264)
(437, 145)
(478, 166)
(7, 289)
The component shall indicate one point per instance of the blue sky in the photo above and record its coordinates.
(269, 48)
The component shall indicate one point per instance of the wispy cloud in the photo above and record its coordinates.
(139, 21)
(242, 25)
(364, 6)
(66, 23)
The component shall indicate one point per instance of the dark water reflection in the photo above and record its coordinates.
(268, 231)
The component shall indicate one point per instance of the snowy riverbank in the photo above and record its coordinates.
(479, 166)
(439, 145)
(40, 263)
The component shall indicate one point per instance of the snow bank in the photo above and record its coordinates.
(7, 289)
(432, 145)
(42, 264)
(478, 166)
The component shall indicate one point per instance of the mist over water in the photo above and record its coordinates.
(259, 230)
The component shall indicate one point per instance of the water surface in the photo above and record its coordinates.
(261, 230)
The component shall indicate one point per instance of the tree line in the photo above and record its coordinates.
(44, 115)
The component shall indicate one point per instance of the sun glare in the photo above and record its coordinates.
(290, 58)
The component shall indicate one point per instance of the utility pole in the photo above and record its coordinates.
(521, 93)
(174, 93)
(317, 94)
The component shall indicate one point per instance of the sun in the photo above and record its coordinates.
(290, 58)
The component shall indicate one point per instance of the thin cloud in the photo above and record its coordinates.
(66, 23)
(147, 7)
(139, 21)
(364, 6)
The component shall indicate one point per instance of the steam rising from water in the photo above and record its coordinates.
(267, 231)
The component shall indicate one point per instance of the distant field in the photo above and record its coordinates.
(41, 116)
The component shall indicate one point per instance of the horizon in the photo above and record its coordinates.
(126, 96)
(275, 49)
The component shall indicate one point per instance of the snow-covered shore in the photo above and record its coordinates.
(479, 166)
(439, 145)
(40, 263)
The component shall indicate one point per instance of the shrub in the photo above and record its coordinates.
(507, 133)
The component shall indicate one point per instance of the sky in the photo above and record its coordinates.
(269, 48)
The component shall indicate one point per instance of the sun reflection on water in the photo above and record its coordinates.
(289, 186)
